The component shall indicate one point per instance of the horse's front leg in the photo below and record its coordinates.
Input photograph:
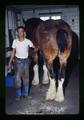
(35, 80)
(61, 77)
(51, 93)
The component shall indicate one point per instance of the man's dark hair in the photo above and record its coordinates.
(22, 27)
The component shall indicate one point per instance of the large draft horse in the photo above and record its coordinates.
(55, 40)
(35, 56)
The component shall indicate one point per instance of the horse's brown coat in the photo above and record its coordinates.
(46, 36)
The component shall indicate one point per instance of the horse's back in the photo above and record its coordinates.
(50, 27)
(51, 24)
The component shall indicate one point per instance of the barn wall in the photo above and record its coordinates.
(69, 15)
(10, 26)
(11, 20)
(6, 30)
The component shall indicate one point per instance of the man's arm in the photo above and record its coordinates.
(33, 46)
(11, 57)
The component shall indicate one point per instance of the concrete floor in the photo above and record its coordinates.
(36, 103)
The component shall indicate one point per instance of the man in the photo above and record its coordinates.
(20, 52)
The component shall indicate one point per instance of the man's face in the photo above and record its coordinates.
(21, 32)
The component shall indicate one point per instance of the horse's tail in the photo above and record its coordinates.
(61, 37)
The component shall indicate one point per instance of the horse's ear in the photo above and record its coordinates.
(24, 21)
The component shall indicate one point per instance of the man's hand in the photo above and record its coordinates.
(9, 66)
(35, 49)
(11, 58)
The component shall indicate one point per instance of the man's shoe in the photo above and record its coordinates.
(25, 96)
(18, 98)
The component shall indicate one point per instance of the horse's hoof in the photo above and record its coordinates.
(50, 96)
(35, 83)
(45, 81)
(59, 99)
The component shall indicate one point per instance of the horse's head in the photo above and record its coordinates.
(30, 27)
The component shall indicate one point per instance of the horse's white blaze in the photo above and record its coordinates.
(35, 80)
(60, 94)
(45, 75)
(51, 93)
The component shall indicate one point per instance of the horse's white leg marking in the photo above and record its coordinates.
(35, 80)
(60, 94)
(45, 75)
(51, 93)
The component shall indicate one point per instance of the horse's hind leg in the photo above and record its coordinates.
(51, 93)
(61, 77)
(45, 75)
